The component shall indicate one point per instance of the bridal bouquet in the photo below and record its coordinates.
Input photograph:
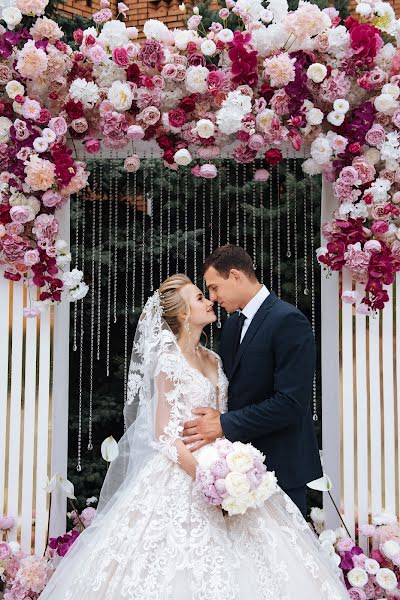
(233, 475)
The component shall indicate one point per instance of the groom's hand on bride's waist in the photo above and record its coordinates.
(203, 430)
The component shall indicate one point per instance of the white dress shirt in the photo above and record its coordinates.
(252, 307)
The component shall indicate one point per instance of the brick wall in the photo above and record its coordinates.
(394, 3)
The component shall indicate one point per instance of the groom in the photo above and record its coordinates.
(268, 352)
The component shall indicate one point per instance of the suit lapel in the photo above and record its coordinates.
(253, 328)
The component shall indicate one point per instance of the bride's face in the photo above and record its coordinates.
(201, 309)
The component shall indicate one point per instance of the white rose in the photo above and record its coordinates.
(317, 72)
(234, 506)
(372, 566)
(225, 36)
(391, 89)
(208, 48)
(205, 128)
(120, 95)
(60, 245)
(14, 88)
(390, 549)
(341, 106)
(386, 579)
(5, 126)
(328, 536)
(40, 144)
(182, 157)
(237, 484)
(78, 292)
(315, 116)
(373, 155)
(321, 150)
(12, 16)
(386, 104)
(336, 118)
(196, 80)
(49, 135)
(207, 457)
(357, 577)
(239, 461)
(264, 119)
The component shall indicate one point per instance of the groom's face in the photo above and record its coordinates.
(223, 290)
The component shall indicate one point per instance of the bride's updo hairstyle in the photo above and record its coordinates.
(171, 300)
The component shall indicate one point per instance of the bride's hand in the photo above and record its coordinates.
(203, 430)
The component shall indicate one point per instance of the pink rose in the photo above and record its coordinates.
(208, 171)
(214, 79)
(22, 214)
(196, 170)
(92, 146)
(376, 135)
(120, 57)
(356, 594)
(80, 125)
(261, 175)
(6, 523)
(51, 199)
(396, 118)
(366, 171)
(149, 115)
(135, 133)
(223, 13)
(177, 117)
(59, 126)
(5, 550)
(132, 163)
(256, 141)
(169, 71)
(379, 227)
(31, 257)
(349, 176)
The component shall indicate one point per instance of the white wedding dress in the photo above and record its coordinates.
(159, 540)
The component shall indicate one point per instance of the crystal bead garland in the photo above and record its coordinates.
(203, 202)
(254, 209)
(75, 318)
(80, 384)
(126, 320)
(168, 220)
(305, 289)
(271, 230)
(237, 203)
(100, 256)
(134, 241)
(151, 203)
(177, 221)
(244, 184)
(278, 232)
(295, 237)
(110, 257)
(227, 200)
(219, 230)
(143, 245)
(313, 321)
(195, 232)
(160, 277)
(186, 218)
(92, 301)
(115, 273)
(211, 249)
(288, 231)
(261, 192)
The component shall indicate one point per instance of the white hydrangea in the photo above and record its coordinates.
(268, 39)
(253, 8)
(239, 100)
(229, 119)
(196, 80)
(383, 518)
(85, 91)
(120, 95)
(339, 40)
(114, 35)
(321, 150)
(72, 278)
(107, 73)
(156, 30)
(78, 292)
(379, 190)
(279, 9)
(390, 149)
(385, 56)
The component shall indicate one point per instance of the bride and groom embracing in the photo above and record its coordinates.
(155, 537)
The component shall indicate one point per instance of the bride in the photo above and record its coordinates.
(154, 537)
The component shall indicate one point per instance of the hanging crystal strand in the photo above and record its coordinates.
(80, 392)
(261, 193)
(227, 203)
(313, 321)
(177, 221)
(186, 220)
(100, 254)
(305, 289)
(92, 306)
(77, 215)
(168, 220)
(278, 230)
(288, 247)
(143, 229)
(244, 169)
(161, 230)
(110, 256)
(204, 226)
(211, 249)
(271, 229)
(151, 221)
(134, 240)
(296, 258)
(195, 232)
(237, 203)
(218, 322)
(253, 191)
(116, 191)
(126, 320)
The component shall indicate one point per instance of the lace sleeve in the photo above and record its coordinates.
(168, 424)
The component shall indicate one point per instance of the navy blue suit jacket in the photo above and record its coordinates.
(270, 390)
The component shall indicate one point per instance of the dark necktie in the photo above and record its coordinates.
(238, 331)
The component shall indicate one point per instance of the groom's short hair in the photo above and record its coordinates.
(228, 257)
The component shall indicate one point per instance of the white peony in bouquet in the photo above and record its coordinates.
(233, 475)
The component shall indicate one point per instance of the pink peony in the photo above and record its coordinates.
(152, 54)
(261, 175)
(51, 198)
(379, 227)
(135, 133)
(120, 57)
(357, 262)
(336, 86)
(132, 163)
(31, 61)
(32, 7)
(22, 213)
(280, 70)
(208, 171)
(87, 515)
(92, 146)
(40, 173)
(31, 257)
(220, 469)
(33, 574)
(6, 523)
(366, 171)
